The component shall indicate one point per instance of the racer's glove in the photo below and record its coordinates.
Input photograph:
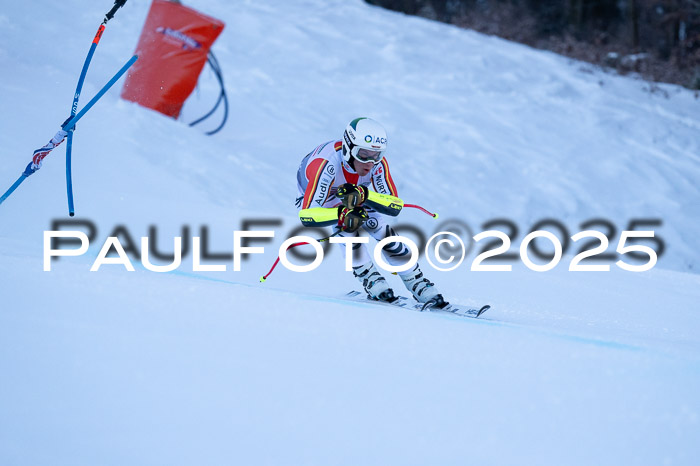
(350, 220)
(352, 195)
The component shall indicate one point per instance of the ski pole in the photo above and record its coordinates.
(74, 107)
(415, 206)
(70, 124)
(264, 277)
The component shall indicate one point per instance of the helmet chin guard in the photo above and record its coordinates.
(365, 140)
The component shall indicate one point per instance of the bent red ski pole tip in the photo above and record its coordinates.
(264, 277)
(415, 206)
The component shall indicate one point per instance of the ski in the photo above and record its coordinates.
(409, 303)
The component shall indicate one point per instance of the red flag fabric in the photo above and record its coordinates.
(172, 51)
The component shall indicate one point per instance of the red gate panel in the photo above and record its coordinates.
(172, 51)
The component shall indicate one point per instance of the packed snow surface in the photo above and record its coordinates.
(189, 367)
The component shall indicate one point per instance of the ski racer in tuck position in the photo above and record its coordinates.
(346, 183)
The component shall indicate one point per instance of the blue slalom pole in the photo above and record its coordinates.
(13, 187)
(70, 124)
(74, 108)
(69, 173)
(73, 112)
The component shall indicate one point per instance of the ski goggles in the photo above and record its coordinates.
(367, 155)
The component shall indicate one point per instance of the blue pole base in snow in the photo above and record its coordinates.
(69, 175)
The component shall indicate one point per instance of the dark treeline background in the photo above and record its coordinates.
(658, 38)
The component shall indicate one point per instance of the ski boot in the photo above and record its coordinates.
(374, 283)
(423, 290)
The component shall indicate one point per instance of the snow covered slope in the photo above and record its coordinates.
(117, 367)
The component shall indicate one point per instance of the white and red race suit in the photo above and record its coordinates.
(323, 170)
(320, 174)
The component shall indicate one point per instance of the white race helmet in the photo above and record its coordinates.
(365, 140)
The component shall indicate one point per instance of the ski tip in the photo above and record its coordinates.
(72, 214)
(483, 309)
